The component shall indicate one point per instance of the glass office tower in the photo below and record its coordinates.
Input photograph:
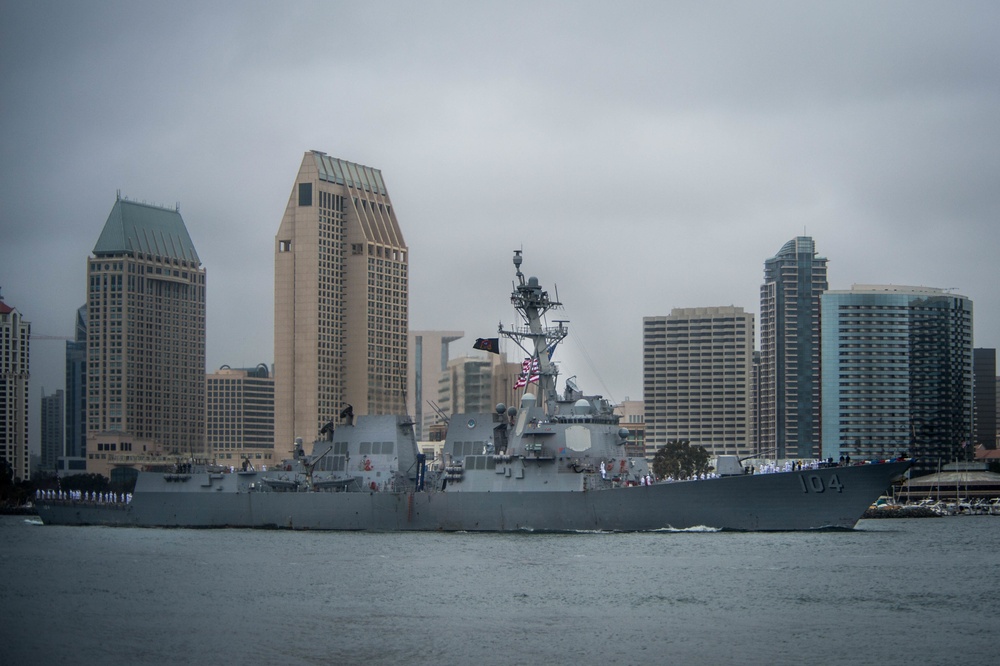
(789, 386)
(897, 374)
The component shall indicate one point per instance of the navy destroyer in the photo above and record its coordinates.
(556, 462)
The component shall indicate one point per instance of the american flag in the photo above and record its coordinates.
(529, 373)
(529, 369)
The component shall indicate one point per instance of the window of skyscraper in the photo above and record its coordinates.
(305, 194)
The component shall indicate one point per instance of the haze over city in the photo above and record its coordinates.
(645, 156)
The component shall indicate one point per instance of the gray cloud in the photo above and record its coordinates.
(647, 156)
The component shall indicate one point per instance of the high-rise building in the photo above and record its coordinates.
(428, 358)
(465, 386)
(633, 418)
(477, 384)
(240, 415)
(15, 334)
(53, 429)
(505, 381)
(341, 277)
(697, 365)
(897, 374)
(76, 389)
(755, 437)
(145, 339)
(789, 396)
(984, 367)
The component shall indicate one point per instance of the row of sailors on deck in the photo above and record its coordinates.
(789, 466)
(83, 496)
(696, 477)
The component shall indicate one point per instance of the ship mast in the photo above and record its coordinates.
(538, 341)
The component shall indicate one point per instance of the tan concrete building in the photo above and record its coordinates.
(478, 384)
(633, 417)
(697, 365)
(239, 405)
(504, 376)
(110, 452)
(465, 386)
(428, 358)
(145, 339)
(341, 285)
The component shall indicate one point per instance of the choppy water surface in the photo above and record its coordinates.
(891, 592)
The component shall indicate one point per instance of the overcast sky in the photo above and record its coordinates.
(645, 155)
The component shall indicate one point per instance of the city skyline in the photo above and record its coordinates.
(689, 152)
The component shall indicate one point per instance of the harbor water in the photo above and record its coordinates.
(890, 592)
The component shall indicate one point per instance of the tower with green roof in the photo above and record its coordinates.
(145, 340)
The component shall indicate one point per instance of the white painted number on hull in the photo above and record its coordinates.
(813, 483)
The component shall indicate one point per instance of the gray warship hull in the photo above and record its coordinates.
(833, 497)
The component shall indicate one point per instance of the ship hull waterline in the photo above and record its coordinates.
(834, 497)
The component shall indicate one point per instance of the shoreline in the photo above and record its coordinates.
(18, 511)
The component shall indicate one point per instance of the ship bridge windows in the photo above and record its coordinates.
(480, 462)
(333, 464)
(376, 448)
(462, 449)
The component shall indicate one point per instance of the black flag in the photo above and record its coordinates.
(491, 345)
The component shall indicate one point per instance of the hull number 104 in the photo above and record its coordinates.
(813, 483)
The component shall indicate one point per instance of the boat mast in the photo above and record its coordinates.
(532, 303)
